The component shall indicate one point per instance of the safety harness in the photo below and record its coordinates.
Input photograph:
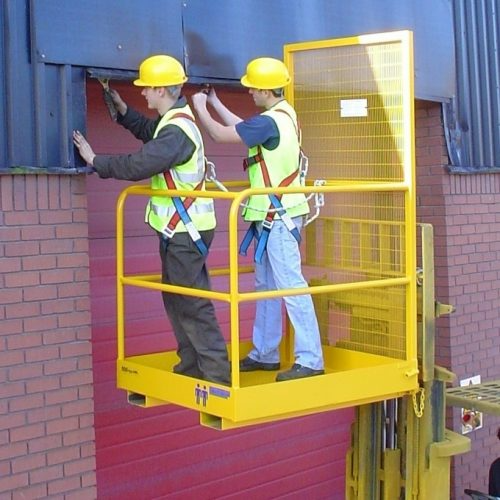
(275, 205)
(182, 207)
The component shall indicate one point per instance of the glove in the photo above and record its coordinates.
(108, 99)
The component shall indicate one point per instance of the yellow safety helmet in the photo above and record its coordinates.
(160, 71)
(266, 73)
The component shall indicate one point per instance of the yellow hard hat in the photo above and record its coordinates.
(266, 73)
(160, 71)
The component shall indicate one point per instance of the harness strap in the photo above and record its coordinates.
(296, 124)
(182, 207)
(258, 158)
(302, 156)
(247, 239)
(182, 115)
(267, 223)
(181, 213)
(252, 160)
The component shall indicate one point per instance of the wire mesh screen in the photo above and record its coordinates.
(368, 320)
(361, 236)
(350, 103)
(360, 240)
(350, 100)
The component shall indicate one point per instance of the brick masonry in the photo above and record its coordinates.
(47, 439)
(465, 213)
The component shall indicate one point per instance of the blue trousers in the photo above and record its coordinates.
(280, 268)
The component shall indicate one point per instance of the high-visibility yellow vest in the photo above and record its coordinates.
(187, 176)
(281, 163)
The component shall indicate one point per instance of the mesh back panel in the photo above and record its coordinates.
(351, 107)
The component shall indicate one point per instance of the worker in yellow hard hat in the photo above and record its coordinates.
(173, 157)
(273, 141)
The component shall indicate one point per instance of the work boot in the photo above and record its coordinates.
(298, 371)
(188, 370)
(250, 365)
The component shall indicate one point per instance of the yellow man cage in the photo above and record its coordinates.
(354, 99)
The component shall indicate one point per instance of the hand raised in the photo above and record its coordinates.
(84, 148)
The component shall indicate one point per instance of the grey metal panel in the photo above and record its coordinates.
(17, 85)
(60, 107)
(3, 116)
(46, 45)
(218, 38)
(106, 33)
(40, 103)
(473, 119)
(222, 36)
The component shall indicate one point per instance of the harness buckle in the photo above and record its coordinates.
(168, 232)
(319, 201)
(319, 197)
(267, 224)
(303, 167)
(210, 174)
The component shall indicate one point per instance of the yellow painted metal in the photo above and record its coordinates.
(391, 474)
(443, 309)
(411, 450)
(417, 450)
(368, 418)
(120, 299)
(437, 477)
(428, 302)
(258, 398)
(433, 447)
(354, 98)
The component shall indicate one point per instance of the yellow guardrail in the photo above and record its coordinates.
(234, 296)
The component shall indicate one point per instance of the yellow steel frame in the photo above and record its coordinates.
(415, 464)
(255, 397)
(405, 40)
(352, 377)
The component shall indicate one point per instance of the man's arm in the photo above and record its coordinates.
(217, 131)
(227, 116)
(172, 147)
(120, 104)
(140, 126)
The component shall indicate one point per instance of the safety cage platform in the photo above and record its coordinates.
(354, 98)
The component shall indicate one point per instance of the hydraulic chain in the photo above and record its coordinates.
(419, 402)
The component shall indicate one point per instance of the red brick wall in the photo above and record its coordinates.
(465, 212)
(46, 399)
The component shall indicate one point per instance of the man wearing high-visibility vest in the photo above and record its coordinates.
(273, 140)
(173, 157)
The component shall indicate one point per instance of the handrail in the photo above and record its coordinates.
(234, 296)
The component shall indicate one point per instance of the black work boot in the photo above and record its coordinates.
(250, 365)
(298, 371)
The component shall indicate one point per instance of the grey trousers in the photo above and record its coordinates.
(200, 344)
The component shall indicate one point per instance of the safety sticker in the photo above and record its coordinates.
(220, 393)
(201, 395)
(353, 107)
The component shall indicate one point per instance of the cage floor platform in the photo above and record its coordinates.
(350, 379)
